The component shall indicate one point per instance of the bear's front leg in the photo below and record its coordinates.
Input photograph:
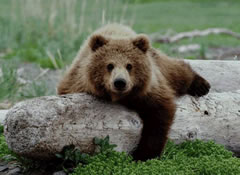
(157, 116)
(199, 86)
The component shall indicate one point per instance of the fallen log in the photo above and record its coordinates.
(194, 33)
(212, 117)
(224, 76)
(41, 127)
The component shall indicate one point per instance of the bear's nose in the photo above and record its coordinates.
(120, 84)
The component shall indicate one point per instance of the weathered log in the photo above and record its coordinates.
(213, 117)
(41, 127)
(224, 76)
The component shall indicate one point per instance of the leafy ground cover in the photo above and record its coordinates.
(189, 158)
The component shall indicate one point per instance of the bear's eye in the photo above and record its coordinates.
(110, 67)
(129, 67)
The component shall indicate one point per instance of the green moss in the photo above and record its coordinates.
(188, 158)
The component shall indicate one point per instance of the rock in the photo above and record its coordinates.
(3, 168)
(10, 168)
(41, 127)
(15, 171)
(5, 105)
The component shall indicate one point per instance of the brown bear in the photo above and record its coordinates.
(119, 65)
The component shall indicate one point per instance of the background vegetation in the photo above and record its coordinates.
(51, 32)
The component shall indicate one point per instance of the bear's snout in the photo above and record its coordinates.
(120, 84)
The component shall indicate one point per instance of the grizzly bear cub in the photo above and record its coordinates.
(119, 65)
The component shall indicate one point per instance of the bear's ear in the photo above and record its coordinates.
(141, 42)
(97, 41)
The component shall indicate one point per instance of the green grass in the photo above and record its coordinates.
(187, 15)
(188, 158)
(3, 148)
(31, 30)
(8, 83)
(34, 29)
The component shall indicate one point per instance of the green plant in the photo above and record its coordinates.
(12, 90)
(103, 144)
(5, 153)
(38, 31)
(34, 89)
(71, 157)
(202, 52)
(1, 130)
(189, 158)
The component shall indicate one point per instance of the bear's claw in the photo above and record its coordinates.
(199, 87)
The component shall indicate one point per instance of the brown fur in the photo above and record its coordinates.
(152, 83)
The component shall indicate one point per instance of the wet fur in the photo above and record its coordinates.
(157, 81)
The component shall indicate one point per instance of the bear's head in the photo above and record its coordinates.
(119, 67)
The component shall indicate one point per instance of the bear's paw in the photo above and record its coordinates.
(199, 87)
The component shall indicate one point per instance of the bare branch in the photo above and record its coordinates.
(195, 33)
